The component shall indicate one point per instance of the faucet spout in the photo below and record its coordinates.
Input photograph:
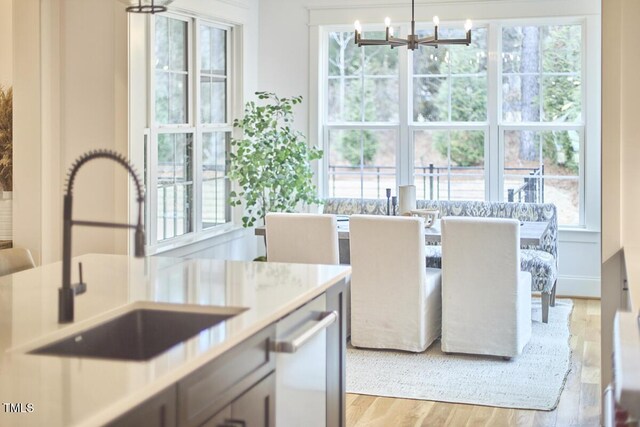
(68, 291)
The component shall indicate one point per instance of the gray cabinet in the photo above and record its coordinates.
(214, 386)
(238, 389)
(255, 408)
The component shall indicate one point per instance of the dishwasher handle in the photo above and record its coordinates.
(327, 319)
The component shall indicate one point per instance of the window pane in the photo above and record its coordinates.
(213, 99)
(362, 84)
(562, 48)
(470, 59)
(345, 100)
(362, 163)
(205, 99)
(166, 223)
(178, 45)
(219, 53)
(542, 73)
(379, 60)
(205, 49)
(174, 213)
(565, 194)
(466, 186)
(557, 153)
(428, 60)
(162, 97)
(562, 98)
(544, 167)
(345, 57)
(468, 99)
(521, 49)
(177, 98)
(449, 165)
(450, 83)
(175, 172)
(183, 169)
(218, 100)
(522, 154)
(171, 74)
(381, 100)
(213, 80)
(431, 164)
(430, 99)
(215, 184)
(213, 50)
(162, 43)
(521, 98)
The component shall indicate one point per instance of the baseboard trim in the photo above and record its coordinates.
(577, 286)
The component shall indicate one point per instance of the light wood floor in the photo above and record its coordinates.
(579, 404)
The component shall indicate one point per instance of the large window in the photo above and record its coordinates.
(190, 127)
(362, 117)
(500, 119)
(542, 130)
(449, 120)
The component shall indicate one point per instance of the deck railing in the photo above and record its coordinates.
(531, 191)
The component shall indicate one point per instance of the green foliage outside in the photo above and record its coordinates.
(562, 95)
(6, 139)
(450, 85)
(271, 163)
(351, 149)
(460, 97)
(561, 52)
(355, 97)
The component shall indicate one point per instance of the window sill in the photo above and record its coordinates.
(578, 235)
(221, 234)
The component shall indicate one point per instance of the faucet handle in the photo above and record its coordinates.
(81, 287)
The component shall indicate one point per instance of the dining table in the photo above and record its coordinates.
(531, 234)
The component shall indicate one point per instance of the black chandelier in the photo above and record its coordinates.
(147, 6)
(412, 41)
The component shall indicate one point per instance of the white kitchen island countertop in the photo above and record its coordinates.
(68, 391)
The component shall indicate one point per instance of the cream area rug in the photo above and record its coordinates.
(533, 380)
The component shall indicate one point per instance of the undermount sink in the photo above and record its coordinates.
(139, 334)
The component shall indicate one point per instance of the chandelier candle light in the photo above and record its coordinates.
(412, 41)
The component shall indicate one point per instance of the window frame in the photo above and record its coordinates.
(494, 126)
(327, 127)
(193, 127)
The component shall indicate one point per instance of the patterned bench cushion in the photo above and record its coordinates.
(540, 264)
(540, 260)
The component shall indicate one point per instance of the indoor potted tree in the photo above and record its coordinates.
(271, 163)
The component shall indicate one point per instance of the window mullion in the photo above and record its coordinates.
(493, 151)
(404, 172)
(197, 193)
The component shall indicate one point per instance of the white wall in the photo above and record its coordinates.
(620, 155)
(70, 76)
(289, 41)
(6, 42)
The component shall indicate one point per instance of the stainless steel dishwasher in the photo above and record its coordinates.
(301, 365)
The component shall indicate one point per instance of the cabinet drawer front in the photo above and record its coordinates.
(215, 385)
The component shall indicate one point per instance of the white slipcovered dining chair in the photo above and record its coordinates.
(486, 299)
(302, 238)
(14, 260)
(395, 299)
